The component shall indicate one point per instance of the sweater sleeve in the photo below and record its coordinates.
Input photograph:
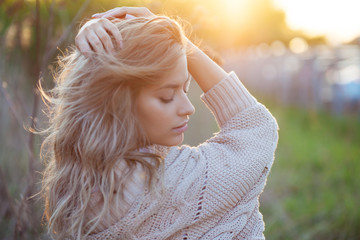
(242, 152)
(227, 98)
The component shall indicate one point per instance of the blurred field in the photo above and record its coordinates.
(313, 190)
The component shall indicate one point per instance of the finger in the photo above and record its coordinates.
(115, 12)
(114, 31)
(138, 11)
(122, 11)
(99, 15)
(95, 42)
(114, 20)
(105, 40)
(83, 45)
(129, 16)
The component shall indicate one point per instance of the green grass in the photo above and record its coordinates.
(313, 190)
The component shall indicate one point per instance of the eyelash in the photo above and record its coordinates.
(186, 90)
(166, 100)
(169, 100)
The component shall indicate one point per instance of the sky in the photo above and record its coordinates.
(338, 20)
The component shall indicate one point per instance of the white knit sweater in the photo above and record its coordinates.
(212, 190)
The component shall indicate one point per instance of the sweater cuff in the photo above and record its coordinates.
(227, 98)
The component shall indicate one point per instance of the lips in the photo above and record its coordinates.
(181, 128)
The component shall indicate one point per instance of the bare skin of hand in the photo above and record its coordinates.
(95, 35)
(121, 12)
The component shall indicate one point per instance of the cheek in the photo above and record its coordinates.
(153, 115)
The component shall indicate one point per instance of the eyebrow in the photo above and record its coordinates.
(172, 85)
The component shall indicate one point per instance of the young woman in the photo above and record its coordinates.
(119, 111)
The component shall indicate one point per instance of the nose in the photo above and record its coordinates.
(186, 108)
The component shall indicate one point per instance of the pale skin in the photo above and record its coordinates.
(164, 110)
(166, 107)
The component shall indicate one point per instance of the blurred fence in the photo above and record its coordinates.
(313, 78)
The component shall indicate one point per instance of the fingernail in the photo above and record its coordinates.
(128, 16)
(121, 44)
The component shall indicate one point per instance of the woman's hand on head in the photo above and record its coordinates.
(96, 36)
(121, 12)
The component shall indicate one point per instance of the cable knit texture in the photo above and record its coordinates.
(212, 190)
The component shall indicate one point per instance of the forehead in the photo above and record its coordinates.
(177, 76)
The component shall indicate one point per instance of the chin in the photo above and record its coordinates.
(178, 140)
(174, 141)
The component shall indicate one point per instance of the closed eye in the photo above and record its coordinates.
(166, 100)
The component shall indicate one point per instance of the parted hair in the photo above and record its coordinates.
(93, 126)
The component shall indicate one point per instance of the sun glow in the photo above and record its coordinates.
(235, 13)
(336, 19)
(235, 8)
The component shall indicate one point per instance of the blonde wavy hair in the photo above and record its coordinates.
(94, 128)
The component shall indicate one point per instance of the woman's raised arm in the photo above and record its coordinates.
(203, 69)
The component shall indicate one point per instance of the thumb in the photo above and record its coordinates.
(97, 15)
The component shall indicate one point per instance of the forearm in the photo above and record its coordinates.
(204, 70)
